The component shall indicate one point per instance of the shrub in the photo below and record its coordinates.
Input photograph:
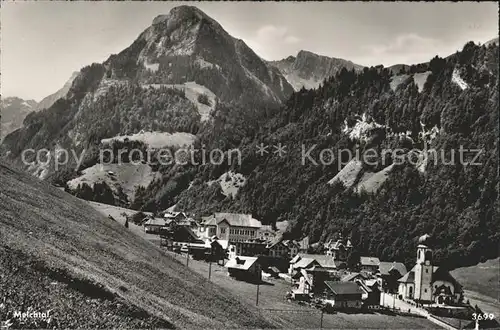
(203, 98)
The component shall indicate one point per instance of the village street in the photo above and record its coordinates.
(390, 301)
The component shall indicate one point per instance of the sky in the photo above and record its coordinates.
(42, 43)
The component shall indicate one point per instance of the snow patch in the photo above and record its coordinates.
(373, 181)
(204, 64)
(362, 128)
(157, 140)
(455, 77)
(153, 67)
(230, 183)
(420, 78)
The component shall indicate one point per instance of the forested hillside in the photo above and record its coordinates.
(186, 75)
(457, 204)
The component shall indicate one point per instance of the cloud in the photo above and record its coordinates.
(404, 48)
(272, 33)
(273, 42)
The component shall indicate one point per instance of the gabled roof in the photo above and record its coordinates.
(369, 261)
(408, 277)
(155, 222)
(343, 288)
(386, 267)
(304, 263)
(243, 263)
(351, 277)
(295, 259)
(172, 214)
(209, 221)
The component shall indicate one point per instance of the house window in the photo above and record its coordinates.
(426, 271)
(252, 233)
(425, 290)
(223, 230)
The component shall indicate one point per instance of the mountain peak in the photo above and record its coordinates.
(180, 14)
(309, 69)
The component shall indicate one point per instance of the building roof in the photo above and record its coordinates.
(325, 261)
(155, 222)
(307, 277)
(351, 277)
(234, 220)
(342, 288)
(209, 221)
(304, 263)
(386, 267)
(240, 262)
(408, 277)
(173, 214)
(369, 261)
(295, 259)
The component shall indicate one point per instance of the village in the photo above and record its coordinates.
(252, 254)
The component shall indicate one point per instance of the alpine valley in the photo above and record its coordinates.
(185, 82)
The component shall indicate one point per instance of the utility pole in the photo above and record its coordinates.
(257, 297)
(187, 256)
(321, 324)
(210, 269)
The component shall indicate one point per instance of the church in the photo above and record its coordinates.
(427, 283)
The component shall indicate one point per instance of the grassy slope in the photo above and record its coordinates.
(76, 262)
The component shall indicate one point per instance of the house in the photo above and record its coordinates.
(319, 276)
(369, 264)
(249, 249)
(153, 225)
(176, 216)
(371, 289)
(293, 246)
(301, 263)
(327, 262)
(339, 249)
(232, 227)
(276, 248)
(245, 268)
(266, 233)
(391, 272)
(427, 283)
(343, 294)
(303, 285)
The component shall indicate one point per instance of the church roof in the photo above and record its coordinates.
(408, 277)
